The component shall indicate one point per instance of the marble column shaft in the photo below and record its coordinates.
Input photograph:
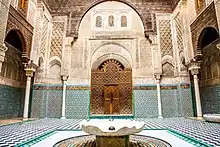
(27, 96)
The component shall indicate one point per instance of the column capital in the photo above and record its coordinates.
(194, 71)
(30, 68)
(64, 77)
(157, 76)
(194, 65)
(29, 72)
(153, 39)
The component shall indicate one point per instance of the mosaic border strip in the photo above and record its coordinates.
(61, 87)
(185, 86)
(37, 139)
(188, 139)
(144, 87)
(162, 87)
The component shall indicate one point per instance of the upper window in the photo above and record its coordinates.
(111, 21)
(124, 22)
(98, 22)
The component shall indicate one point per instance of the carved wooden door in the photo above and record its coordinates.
(111, 89)
(111, 99)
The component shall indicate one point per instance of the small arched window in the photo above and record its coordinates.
(124, 22)
(111, 21)
(98, 22)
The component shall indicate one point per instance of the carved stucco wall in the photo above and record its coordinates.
(41, 41)
(75, 11)
(146, 56)
(128, 43)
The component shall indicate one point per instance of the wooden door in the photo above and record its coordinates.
(111, 99)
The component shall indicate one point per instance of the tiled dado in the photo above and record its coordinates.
(59, 87)
(176, 100)
(162, 87)
(47, 101)
(11, 101)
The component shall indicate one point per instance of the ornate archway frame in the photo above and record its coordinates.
(98, 86)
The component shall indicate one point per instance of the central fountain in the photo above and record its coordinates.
(112, 133)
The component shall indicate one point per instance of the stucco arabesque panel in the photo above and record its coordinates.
(105, 45)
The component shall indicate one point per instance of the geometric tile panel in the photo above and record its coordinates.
(210, 99)
(11, 101)
(145, 103)
(46, 104)
(176, 101)
(169, 103)
(165, 38)
(57, 39)
(38, 104)
(54, 103)
(185, 102)
(77, 103)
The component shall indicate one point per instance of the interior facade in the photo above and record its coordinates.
(79, 59)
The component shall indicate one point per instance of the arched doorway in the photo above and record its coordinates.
(14, 76)
(111, 89)
(210, 70)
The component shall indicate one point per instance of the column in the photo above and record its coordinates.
(64, 79)
(29, 74)
(197, 92)
(157, 77)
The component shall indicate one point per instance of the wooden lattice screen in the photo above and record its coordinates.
(111, 89)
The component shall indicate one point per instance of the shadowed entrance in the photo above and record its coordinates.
(111, 89)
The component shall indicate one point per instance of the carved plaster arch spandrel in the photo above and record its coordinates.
(105, 43)
(168, 59)
(121, 59)
(111, 49)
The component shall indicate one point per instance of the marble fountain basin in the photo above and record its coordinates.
(116, 127)
(212, 117)
(112, 133)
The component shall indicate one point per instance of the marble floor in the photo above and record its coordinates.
(183, 132)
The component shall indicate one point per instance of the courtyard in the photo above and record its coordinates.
(47, 132)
